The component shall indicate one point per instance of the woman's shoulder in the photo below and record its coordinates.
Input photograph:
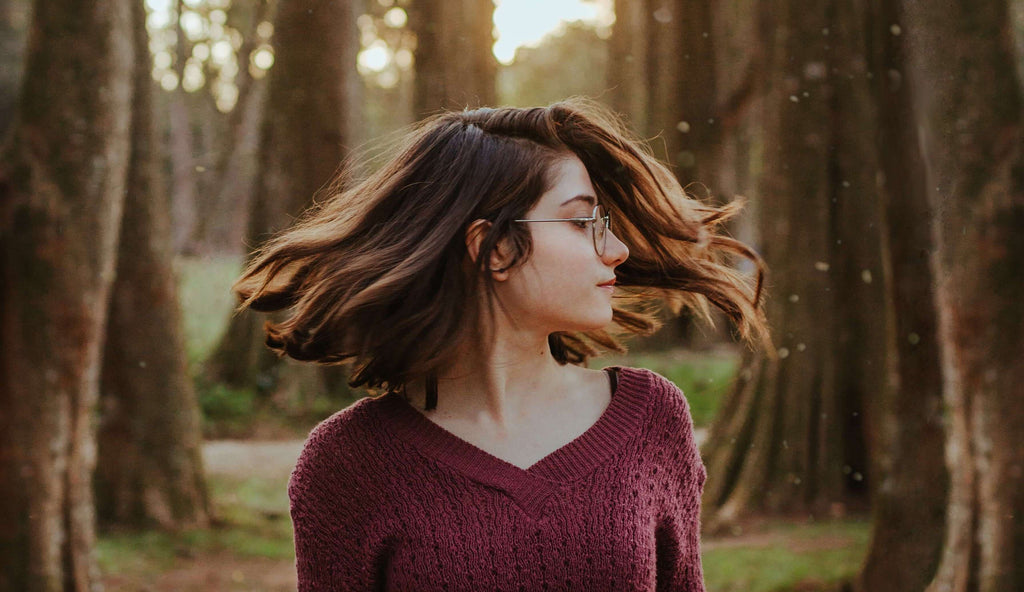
(663, 394)
(339, 442)
(670, 421)
(343, 425)
(645, 380)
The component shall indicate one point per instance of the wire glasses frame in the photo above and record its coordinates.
(600, 223)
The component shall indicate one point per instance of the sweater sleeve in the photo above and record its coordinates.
(331, 521)
(678, 534)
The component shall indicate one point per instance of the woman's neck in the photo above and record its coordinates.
(500, 381)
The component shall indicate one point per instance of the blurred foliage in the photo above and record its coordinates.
(226, 411)
(213, 34)
(569, 63)
(385, 65)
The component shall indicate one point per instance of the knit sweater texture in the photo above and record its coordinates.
(382, 498)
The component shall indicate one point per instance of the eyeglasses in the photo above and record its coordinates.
(599, 221)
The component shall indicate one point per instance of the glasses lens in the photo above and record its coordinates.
(600, 229)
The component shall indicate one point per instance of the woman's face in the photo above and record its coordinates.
(564, 284)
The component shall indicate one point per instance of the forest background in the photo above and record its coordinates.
(146, 433)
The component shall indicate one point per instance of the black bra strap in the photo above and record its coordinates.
(431, 388)
(613, 378)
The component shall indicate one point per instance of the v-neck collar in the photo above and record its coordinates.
(530, 487)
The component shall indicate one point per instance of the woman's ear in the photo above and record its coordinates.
(500, 261)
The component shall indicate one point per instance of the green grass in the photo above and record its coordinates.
(251, 521)
(784, 556)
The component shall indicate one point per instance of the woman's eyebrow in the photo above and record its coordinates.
(590, 199)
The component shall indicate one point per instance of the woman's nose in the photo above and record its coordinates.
(615, 251)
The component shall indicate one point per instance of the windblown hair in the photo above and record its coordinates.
(378, 274)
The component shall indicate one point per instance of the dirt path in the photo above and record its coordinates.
(239, 458)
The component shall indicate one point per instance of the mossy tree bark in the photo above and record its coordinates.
(907, 437)
(969, 101)
(63, 183)
(455, 64)
(303, 142)
(149, 471)
(790, 436)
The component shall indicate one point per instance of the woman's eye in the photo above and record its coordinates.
(580, 223)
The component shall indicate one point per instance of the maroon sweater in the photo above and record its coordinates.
(382, 498)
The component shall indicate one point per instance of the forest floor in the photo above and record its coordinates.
(249, 547)
(236, 469)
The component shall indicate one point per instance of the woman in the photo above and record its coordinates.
(470, 278)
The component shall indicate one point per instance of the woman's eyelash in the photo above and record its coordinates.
(580, 223)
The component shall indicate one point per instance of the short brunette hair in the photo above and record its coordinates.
(379, 275)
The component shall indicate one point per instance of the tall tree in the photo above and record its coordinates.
(149, 470)
(226, 201)
(302, 144)
(790, 438)
(676, 72)
(673, 73)
(13, 26)
(455, 64)
(682, 77)
(62, 184)
(968, 98)
(184, 190)
(905, 438)
(628, 72)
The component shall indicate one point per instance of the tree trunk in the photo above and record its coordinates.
(182, 151)
(968, 99)
(684, 111)
(455, 64)
(13, 28)
(627, 63)
(225, 229)
(149, 441)
(215, 227)
(302, 144)
(667, 77)
(664, 72)
(790, 437)
(739, 32)
(63, 185)
(684, 102)
(906, 440)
